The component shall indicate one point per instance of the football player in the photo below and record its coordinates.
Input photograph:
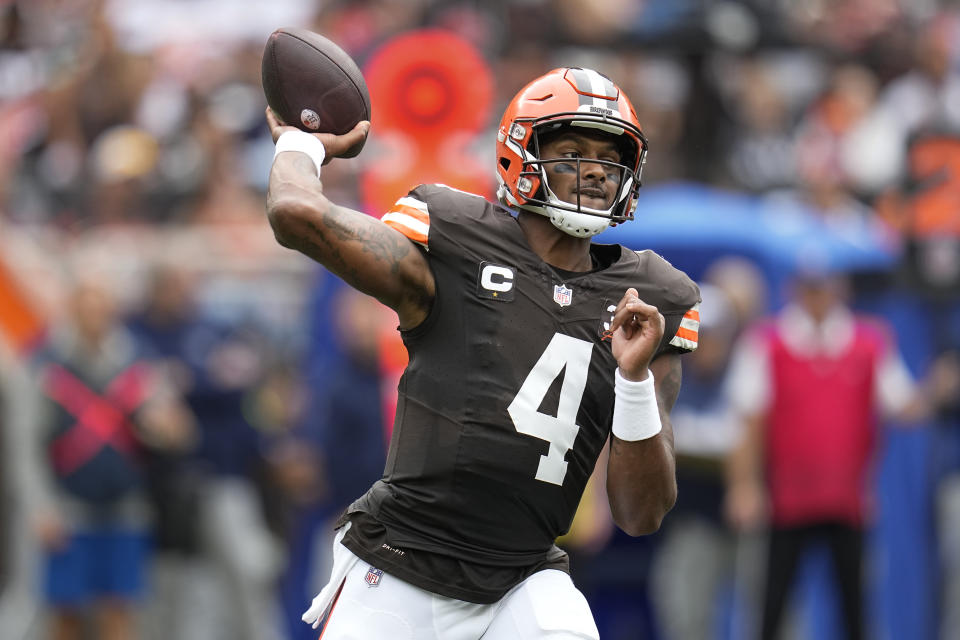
(529, 348)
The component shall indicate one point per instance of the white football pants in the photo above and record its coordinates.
(545, 606)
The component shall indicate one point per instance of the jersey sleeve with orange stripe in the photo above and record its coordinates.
(689, 330)
(411, 217)
(676, 296)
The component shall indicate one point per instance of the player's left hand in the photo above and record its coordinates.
(637, 329)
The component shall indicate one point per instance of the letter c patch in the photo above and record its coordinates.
(495, 282)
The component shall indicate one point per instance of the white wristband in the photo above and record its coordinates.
(636, 415)
(304, 143)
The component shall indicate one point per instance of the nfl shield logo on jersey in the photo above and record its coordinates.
(373, 576)
(562, 295)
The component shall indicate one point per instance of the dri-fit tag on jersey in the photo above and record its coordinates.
(495, 281)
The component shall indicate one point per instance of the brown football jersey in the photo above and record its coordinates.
(507, 399)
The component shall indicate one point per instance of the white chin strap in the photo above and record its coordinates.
(580, 225)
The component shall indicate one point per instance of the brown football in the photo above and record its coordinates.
(312, 84)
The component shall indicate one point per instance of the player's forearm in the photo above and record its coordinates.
(641, 482)
(367, 254)
(641, 475)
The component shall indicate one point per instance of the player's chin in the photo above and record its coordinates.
(594, 203)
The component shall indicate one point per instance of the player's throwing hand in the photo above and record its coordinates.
(334, 145)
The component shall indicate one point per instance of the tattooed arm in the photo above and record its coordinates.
(367, 254)
(641, 475)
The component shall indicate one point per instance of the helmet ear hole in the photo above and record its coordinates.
(505, 163)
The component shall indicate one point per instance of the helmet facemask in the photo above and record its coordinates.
(575, 218)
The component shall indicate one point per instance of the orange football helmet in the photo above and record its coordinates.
(579, 98)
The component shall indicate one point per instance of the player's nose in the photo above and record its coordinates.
(590, 168)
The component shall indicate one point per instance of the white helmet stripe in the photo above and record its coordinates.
(603, 93)
(600, 86)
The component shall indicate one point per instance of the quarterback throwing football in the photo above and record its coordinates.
(529, 348)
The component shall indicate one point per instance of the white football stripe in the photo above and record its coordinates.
(409, 222)
(683, 343)
(596, 88)
(413, 202)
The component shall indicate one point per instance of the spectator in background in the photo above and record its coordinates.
(808, 384)
(210, 503)
(694, 564)
(168, 327)
(833, 139)
(96, 405)
(822, 184)
(167, 324)
(761, 152)
(927, 97)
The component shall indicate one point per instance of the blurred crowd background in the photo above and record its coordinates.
(791, 141)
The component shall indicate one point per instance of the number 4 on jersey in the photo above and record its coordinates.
(572, 356)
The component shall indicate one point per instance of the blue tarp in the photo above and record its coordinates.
(692, 225)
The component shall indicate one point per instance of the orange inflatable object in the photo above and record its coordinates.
(431, 93)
